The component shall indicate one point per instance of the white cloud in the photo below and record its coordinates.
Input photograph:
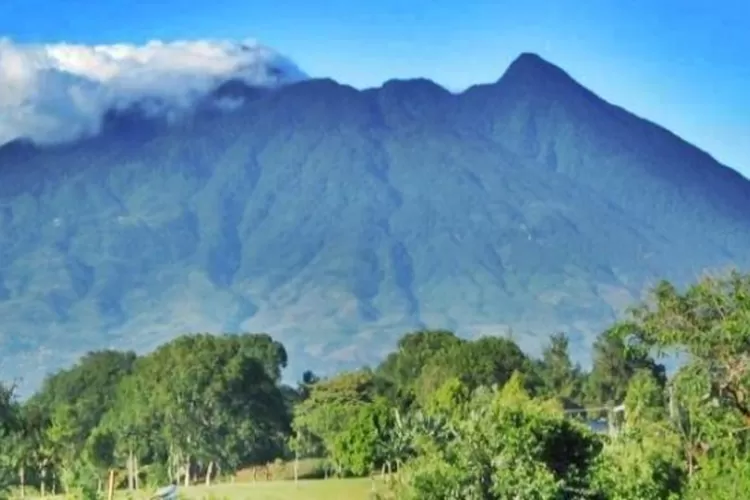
(58, 92)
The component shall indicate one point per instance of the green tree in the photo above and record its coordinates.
(404, 366)
(9, 432)
(99, 452)
(450, 399)
(645, 401)
(214, 401)
(26, 441)
(639, 466)
(507, 446)
(268, 352)
(359, 448)
(707, 323)
(721, 476)
(64, 438)
(332, 405)
(614, 364)
(90, 385)
(559, 376)
(487, 361)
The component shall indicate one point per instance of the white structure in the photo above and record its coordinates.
(166, 493)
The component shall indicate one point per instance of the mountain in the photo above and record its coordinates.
(337, 219)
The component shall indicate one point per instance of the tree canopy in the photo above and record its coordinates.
(442, 416)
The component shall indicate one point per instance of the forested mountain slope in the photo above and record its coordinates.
(337, 219)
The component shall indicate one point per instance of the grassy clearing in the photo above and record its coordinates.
(316, 489)
(312, 489)
(308, 468)
(311, 486)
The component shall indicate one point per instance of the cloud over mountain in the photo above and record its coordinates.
(57, 92)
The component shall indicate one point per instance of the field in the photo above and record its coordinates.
(312, 489)
(281, 487)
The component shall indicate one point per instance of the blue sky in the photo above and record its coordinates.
(684, 64)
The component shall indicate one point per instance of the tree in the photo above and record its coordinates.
(702, 425)
(64, 438)
(359, 448)
(214, 401)
(724, 476)
(707, 323)
(638, 467)
(90, 385)
(269, 353)
(644, 401)
(332, 405)
(414, 351)
(457, 419)
(449, 400)
(6, 464)
(487, 361)
(9, 432)
(614, 364)
(398, 444)
(508, 445)
(26, 442)
(642, 461)
(100, 452)
(135, 419)
(559, 377)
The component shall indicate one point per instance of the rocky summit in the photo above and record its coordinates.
(337, 219)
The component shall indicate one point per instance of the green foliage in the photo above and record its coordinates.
(441, 418)
(708, 322)
(358, 448)
(559, 377)
(156, 474)
(637, 467)
(449, 399)
(485, 362)
(331, 406)
(614, 364)
(14, 450)
(100, 449)
(645, 400)
(81, 480)
(723, 476)
(90, 385)
(64, 436)
(512, 446)
(404, 366)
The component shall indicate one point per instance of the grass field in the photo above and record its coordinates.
(281, 487)
(313, 489)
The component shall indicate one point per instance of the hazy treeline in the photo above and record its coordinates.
(441, 417)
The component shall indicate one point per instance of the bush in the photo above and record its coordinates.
(509, 446)
(155, 475)
(724, 476)
(637, 467)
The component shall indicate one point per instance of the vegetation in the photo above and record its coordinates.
(332, 489)
(529, 203)
(440, 418)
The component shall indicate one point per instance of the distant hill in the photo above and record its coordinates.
(337, 219)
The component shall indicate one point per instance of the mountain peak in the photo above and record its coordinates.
(531, 76)
(529, 67)
(531, 58)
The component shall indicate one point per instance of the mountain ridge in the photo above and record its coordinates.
(336, 219)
